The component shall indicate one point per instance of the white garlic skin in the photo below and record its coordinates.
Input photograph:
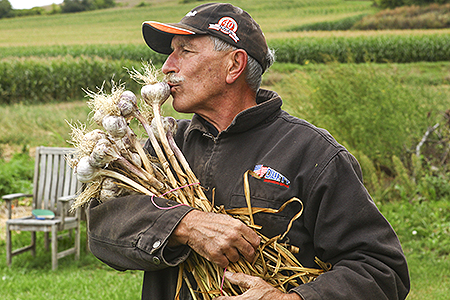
(172, 124)
(129, 96)
(127, 103)
(98, 117)
(155, 93)
(85, 172)
(109, 190)
(115, 125)
(102, 154)
(136, 159)
(94, 136)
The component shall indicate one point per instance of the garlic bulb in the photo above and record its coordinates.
(98, 116)
(94, 136)
(136, 159)
(171, 124)
(102, 154)
(109, 189)
(127, 104)
(85, 172)
(155, 93)
(116, 126)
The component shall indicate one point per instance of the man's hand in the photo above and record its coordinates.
(217, 237)
(257, 289)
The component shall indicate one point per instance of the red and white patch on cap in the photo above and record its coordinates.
(228, 26)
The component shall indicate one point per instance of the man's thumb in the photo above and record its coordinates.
(240, 279)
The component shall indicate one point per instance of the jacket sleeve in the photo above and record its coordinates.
(350, 233)
(130, 233)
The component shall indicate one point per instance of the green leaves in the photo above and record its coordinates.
(16, 175)
(400, 48)
(41, 80)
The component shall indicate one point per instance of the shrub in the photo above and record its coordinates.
(365, 109)
(112, 52)
(16, 175)
(398, 3)
(70, 6)
(5, 8)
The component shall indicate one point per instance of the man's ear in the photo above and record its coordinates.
(238, 62)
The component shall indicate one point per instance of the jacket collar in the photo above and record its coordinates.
(268, 106)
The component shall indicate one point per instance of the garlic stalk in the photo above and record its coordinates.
(128, 108)
(172, 125)
(87, 173)
(105, 152)
(155, 95)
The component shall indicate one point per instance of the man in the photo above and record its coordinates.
(217, 54)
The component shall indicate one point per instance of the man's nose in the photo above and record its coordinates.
(170, 65)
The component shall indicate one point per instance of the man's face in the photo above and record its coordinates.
(202, 73)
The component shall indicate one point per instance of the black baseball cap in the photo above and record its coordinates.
(222, 20)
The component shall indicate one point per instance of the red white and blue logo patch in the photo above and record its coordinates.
(271, 176)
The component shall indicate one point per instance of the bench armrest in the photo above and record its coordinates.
(11, 197)
(64, 201)
(67, 198)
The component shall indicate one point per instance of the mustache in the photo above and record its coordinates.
(173, 78)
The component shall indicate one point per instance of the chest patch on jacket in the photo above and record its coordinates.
(271, 176)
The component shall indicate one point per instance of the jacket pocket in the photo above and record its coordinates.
(273, 224)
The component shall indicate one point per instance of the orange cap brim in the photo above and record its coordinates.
(169, 28)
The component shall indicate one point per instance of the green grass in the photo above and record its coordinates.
(32, 277)
(424, 229)
(47, 124)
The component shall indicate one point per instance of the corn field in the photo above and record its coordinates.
(43, 74)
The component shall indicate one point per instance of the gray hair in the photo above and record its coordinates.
(254, 70)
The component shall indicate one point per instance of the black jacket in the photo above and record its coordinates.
(340, 224)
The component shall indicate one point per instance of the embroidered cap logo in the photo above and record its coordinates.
(228, 26)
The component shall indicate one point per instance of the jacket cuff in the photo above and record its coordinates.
(154, 240)
(306, 291)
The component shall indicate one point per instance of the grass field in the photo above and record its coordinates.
(422, 226)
